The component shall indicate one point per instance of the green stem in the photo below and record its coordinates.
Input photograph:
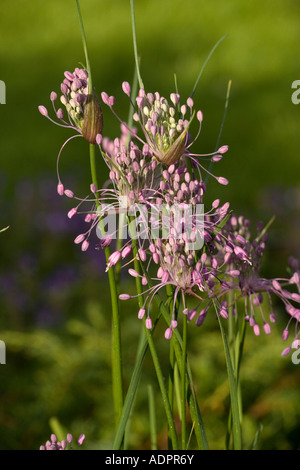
(152, 419)
(135, 44)
(234, 400)
(158, 370)
(191, 395)
(116, 337)
(183, 383)
(205, 63)
(163, 389)
(88, 67)
(117, 381)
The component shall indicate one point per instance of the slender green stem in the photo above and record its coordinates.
(221, 127)
(172, 361)
(88, 66)
(163, 390)
(191, 395)
(116, 337)
(117, 380)
(158, 370)
(183, 383)
(135, 44)
(152, 418)
(205, 63)
(234, 401)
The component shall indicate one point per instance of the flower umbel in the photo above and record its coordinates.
(54, 444)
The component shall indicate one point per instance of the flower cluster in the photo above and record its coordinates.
(156, 182)
(54, 444)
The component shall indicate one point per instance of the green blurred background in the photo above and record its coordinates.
(54, 300)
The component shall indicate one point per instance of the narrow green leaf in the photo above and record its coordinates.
(152, 417)
(130, 396)
(256, 437)
(236, 425)
(205, 63)
(57, 429)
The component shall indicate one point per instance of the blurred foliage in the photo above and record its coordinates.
(54, 300)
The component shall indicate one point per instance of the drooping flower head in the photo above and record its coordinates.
(84, 113)
(82, 105)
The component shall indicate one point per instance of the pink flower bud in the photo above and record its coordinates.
(81, 439)
(141, 313)
(267, 328)
(142, 255)
(190, 102)
(133, 272)
(155, 257)
(139, 101)
(69, 193)
(126, 251)
(60, 189)
(216, 158)
(295, 279)
(43, 110)
(69, 76)
(111, 100)
(93, 188)
(148, 323)
(222, 180)
(114, 258)
(276, 285)
(85, 245)
(124, 297)
(256, 329)
(79, 239)
(286, 351)
(60, 113)
(105, 97)
(126, 88)
(72, 212)
(168, 333)
(272, 317)
(285, 334)
(53, 96)
(223, 149)
(191, 314)
(175, 98)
